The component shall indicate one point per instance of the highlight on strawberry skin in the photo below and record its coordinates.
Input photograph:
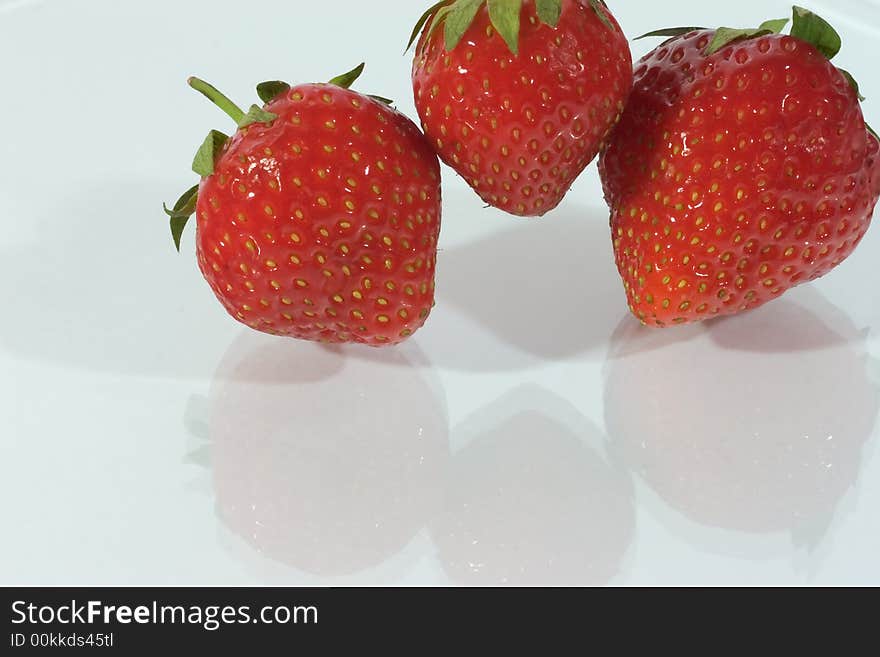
(319, 217)
(741, 168)
(518, 96)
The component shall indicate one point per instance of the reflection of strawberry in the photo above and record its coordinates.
(741, 167)
(322, 462)
(734, 436)
(529, 501)
(319, 219)
(518, 96)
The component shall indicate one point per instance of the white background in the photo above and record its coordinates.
(531, 433)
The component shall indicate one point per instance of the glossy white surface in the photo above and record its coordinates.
(531, 433)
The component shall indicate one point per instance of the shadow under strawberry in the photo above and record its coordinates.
(328, 464)
(755, 424)
(135, 309)
(530, 500)
(534, 291)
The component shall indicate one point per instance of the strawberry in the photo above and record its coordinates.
(319, 218)
(519, 96)
(741, 167)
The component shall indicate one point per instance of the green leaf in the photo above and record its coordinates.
(669, 32)
(549, 11)
(269, 91)
(458, 20)
(439, 17)
(723, 35)
(504, 15)
(384, 101)
(852, 82)
(203, 164)
(421, 23)
(726, 35)
(178, 224)
(185, 204)
(601, 8)
(775, 26)
(256, 114)
(182, 211)
(347, 79)
(809, 27)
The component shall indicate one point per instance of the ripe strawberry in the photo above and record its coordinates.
(519, 96)
(741, 168)
(319, 218)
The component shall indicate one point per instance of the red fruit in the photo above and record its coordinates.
(319, 218)
(741, 167)
(518, 96)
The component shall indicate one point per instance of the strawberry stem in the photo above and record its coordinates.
(219, 99)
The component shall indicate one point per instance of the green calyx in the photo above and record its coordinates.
(805, 25)
(347, 79)
(723, 35)
(206, 157)
(456, 16)
(726, 35)
(504, 16)
(815, 30)
(670, 32)
(203, 163)
(209, 151)
(269, 91)
(205, 160)
(182, 211)
(852, 82)
(601, 10)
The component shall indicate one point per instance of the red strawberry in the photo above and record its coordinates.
(519, 96)
(741, 168)
(319, 218)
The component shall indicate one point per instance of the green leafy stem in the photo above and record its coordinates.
(456, 16)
